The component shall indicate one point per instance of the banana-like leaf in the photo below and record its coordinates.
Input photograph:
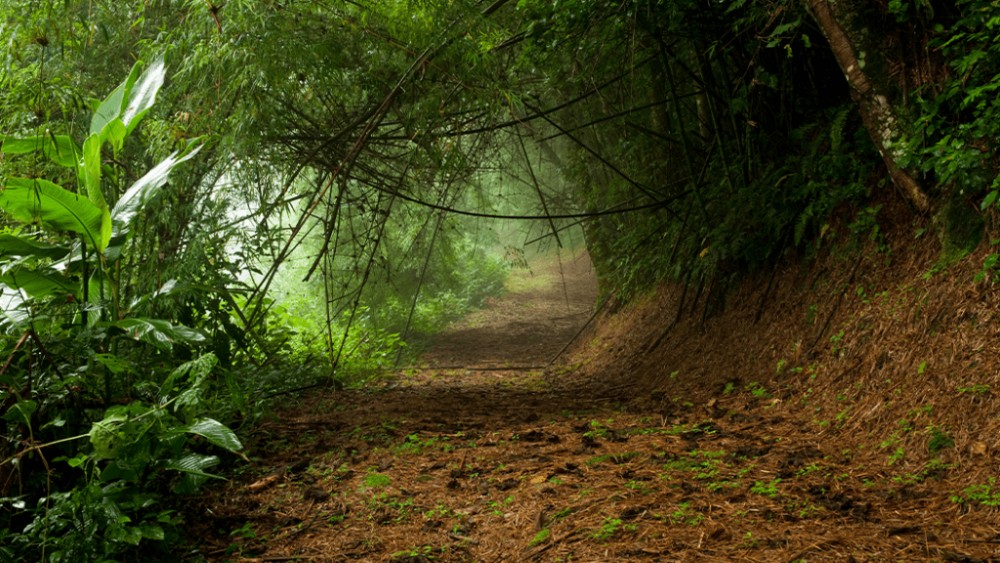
(145, 190)
(40, 283)
(39, 200)
(215, 432)
(158, 332)
(120, 113)
(13, 245)
(59, 148)
(111, 108)
(142, 95)
(13, 309)
(90, 170)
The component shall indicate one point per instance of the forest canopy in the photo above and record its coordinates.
(210, 204)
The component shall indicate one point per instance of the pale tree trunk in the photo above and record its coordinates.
(862, 59)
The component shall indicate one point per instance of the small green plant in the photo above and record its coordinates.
(894, 441)
(811, 314)
(935, 469)
(811, 468)
(376, 481)
(758, 390)
(541, 537)
(983, 495)
(835, 341)
(617, 459)
(440, 510)
(977, 389)
(768, 489)
(611, 527)
(803, 509)
(414, 444)
(597, 430)
(638, 486)
(841, 416)
(683, 514)
(390, 508)
(938, 440)
(716, 486)
(245, 531)
(421, 552)
(496, 507)
(562, 513)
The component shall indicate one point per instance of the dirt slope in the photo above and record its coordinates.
(719, 440)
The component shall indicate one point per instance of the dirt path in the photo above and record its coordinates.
(475, 463)
(542, 312)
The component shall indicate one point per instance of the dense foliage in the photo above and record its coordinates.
(286, 192)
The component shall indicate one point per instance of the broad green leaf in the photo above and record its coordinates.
(195, 464)
(112, 107)
(90, 171)
(216, 433)
(143, 95)
(114, 133)
(40, 283)
(105, 434)
(13, 309)
(13, 245)
(62, 150)
(989, 200)
(20, 412)
(109, 109)
(158, 332)
(59, 148)
(78, 460)
(144, 190)
(42, 201)
(113, 363)
(106, 228)
(152, 532)
(11, 145)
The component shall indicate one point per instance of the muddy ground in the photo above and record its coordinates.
(495, 449)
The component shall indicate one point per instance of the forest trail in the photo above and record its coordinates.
(542, 311)
(486, 454)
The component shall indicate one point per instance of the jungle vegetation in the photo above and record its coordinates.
(209, 204)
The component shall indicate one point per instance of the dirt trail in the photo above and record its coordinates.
(533, 322)
(479, 463)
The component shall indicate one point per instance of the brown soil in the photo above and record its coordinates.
(854, 420)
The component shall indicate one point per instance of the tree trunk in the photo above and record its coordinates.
(862, 60)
